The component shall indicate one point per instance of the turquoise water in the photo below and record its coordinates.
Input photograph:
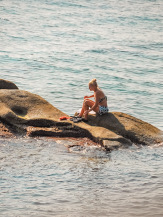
(53, 48)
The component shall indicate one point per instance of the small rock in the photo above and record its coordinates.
(4, 84)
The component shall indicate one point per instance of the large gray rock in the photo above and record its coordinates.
(30, 114)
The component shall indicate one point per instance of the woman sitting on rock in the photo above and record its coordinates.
(100, 104)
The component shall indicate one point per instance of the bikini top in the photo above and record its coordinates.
(102, 99)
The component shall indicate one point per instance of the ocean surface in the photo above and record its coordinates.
(54, 48)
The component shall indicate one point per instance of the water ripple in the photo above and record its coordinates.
(53, 48)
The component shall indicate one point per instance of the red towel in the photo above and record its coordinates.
(63, 118)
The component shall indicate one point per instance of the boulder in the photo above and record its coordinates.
(4, 84)
(129, 127)
(30, 114)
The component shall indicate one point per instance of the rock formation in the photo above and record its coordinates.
(25, 113)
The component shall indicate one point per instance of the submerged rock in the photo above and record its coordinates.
(30, 114)
(4, 84)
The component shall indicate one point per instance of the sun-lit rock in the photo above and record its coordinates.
(30, 114)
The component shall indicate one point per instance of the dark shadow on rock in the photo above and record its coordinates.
(108, 121)
(62, 129)
(14, 130)
(19, 110)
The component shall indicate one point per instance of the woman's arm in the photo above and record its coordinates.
(88, 96)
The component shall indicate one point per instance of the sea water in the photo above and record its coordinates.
(54, 48)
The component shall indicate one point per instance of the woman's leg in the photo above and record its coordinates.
(86, 105)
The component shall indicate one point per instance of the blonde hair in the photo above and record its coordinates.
(93, 82)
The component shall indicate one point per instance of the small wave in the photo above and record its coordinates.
(90, 151)
(98, 51)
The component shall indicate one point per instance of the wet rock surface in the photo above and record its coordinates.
(24, 113)
(5, 131)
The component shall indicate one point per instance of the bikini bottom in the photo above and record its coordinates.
(103, 110)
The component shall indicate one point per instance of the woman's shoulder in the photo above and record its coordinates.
(100, 92)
